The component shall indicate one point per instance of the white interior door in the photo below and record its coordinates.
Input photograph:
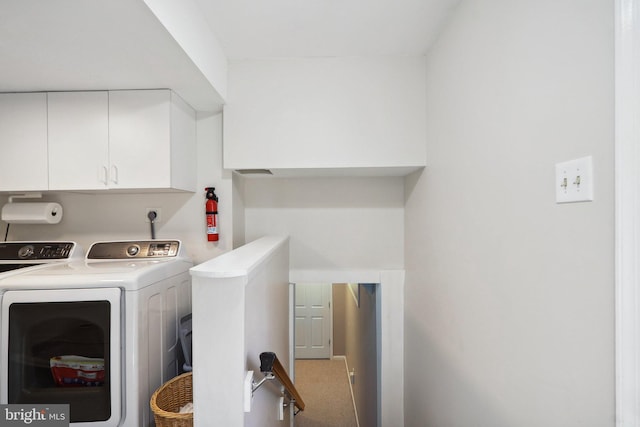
(313, 321)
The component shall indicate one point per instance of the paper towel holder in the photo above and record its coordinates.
(31, 213)
(33, 195)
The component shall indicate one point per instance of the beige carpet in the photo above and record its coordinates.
(324, 387)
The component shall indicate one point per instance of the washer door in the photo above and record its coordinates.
(62, 346)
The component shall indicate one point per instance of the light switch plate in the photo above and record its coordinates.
(574, 180)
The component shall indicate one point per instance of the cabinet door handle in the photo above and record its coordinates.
(105, 175)
(114, 175)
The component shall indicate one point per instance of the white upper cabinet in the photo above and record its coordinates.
(23, 142)
(130, 140)
(78, 140)
(152, 141)
(326, 114)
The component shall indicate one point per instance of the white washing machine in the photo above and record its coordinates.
(99, 334)
(16, 256)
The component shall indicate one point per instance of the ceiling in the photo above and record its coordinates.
(306, 28)
(118, 44)
(58, 45)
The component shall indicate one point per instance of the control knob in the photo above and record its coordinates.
(133, 250)
(25, 251)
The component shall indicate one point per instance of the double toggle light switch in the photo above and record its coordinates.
(574, 180)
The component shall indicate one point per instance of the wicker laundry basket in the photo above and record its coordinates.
(169, 398)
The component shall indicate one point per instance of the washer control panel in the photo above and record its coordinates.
(35, 251)
(134, 249)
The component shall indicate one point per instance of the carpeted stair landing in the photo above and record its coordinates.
(324, 387)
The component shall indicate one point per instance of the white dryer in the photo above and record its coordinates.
(99, 334)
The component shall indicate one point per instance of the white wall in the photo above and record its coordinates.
(361, 348)
(332, 222)
(106, 216)
(238, 184)
(509, 304)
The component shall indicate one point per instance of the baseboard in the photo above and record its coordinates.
(353, 399)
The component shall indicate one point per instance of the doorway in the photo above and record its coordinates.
(337, 325)
(390, 304)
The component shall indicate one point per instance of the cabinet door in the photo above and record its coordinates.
(23, 142)
(78, 140)
(139, 139)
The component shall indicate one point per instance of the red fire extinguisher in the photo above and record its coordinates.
(211, 211)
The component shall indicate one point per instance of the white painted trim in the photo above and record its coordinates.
(292, 331)
(627, 188)
(391, 290)
(292, 346)
(353, 398)
(335, 276)
(392, 348)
